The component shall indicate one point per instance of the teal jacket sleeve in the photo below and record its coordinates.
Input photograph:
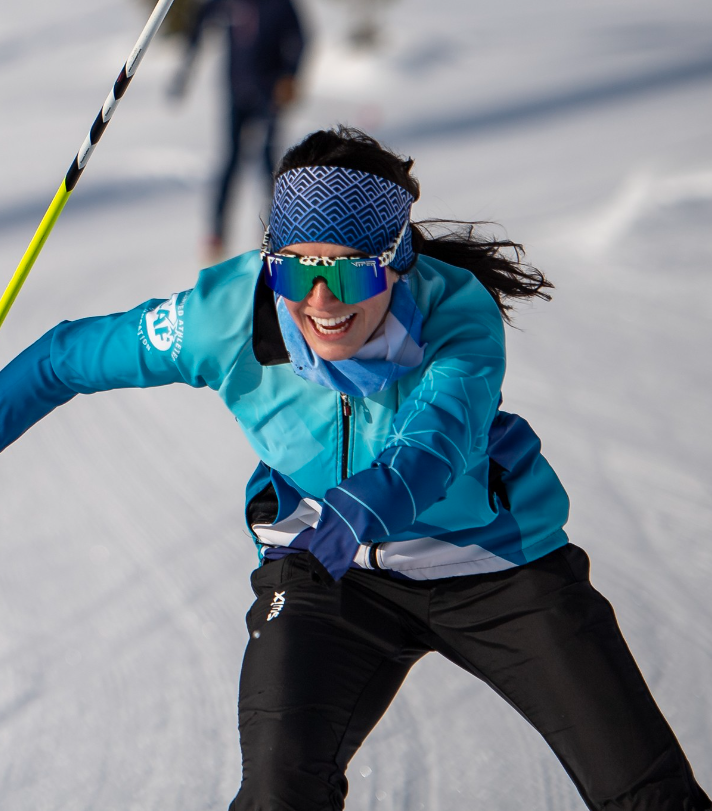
(194, 337)
(132, 349)
(29, 390)
(135, 349)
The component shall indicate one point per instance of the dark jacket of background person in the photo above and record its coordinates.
(266, 42)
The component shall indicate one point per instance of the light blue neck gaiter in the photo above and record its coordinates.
(393, 351)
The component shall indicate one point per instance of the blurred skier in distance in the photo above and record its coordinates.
(265, 47)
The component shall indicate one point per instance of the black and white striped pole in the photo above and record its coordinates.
(82, 157)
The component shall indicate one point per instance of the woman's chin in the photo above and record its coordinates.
(332, 350)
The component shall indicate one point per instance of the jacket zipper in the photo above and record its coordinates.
(345, 433)
(346, 412)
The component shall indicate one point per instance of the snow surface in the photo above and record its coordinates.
(586, 130)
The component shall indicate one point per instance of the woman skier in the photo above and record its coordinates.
(397, 510)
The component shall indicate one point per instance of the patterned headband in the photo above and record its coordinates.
(342, 207)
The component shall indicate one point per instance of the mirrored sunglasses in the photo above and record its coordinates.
(350, 279)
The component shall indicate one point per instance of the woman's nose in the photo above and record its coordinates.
(320, 295)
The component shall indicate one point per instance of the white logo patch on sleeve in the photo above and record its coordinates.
(163, 325)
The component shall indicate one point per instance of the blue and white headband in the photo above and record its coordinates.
(342, 207)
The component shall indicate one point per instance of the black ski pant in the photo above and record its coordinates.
(323, 664)
(264, 115)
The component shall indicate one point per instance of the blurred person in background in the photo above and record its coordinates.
(397, 510)
(265, 47)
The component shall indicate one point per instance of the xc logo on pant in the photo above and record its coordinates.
(277, 605)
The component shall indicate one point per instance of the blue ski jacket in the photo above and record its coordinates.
(427, 479)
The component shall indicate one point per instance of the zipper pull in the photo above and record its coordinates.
(345, 404)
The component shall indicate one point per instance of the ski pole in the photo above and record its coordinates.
(82, 157)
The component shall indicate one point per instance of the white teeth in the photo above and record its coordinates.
(330, 322)
(332, 326)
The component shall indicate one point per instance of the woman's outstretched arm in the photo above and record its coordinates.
(87, 356)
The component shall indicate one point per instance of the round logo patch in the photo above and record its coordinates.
(162, 324)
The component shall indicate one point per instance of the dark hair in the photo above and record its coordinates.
(455, 242)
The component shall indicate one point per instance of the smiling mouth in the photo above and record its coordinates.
(332, 326)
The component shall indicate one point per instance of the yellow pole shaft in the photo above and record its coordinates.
(33, 250)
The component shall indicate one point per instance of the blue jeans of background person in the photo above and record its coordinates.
(323, 664)
(265, 117)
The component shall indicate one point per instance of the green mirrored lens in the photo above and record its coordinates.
(350, 280)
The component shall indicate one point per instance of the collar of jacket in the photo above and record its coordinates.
(267, 342)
